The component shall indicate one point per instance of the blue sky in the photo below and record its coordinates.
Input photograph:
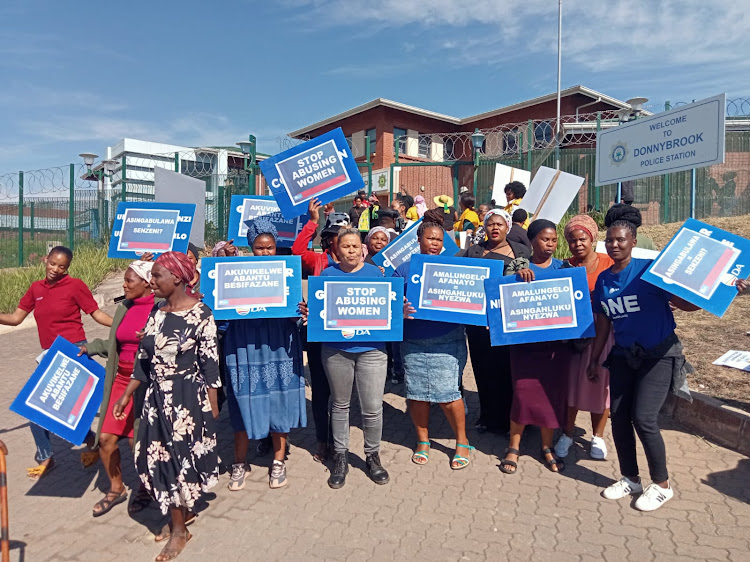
(79, 76)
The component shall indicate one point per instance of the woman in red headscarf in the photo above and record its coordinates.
(176, 456)
(588, 395)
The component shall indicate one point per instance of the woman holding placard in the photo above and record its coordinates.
(57, 302)
(363, 364)
(492, 363)
(540, 391)
(176, 455)
(265, 376)
(584, 393)
(120, 350)
(434, 357)
(645, 362)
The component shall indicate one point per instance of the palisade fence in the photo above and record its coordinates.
(74, 205)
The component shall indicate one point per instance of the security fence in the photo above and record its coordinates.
(74, 204)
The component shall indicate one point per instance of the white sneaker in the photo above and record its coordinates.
(598, 449)
(563, 445)
(623, 487)
(654, 497)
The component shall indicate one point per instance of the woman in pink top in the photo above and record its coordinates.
(120, 350)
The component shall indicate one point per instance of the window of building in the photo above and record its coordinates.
(448, 148)
(542, 134)
(371, 134)
(425, 143)
(400, 135)
(510, 141)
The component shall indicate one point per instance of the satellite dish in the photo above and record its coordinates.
(637, 103)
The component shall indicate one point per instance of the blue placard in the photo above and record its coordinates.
(322, 167)
(250, 207)
(448, 289)
(405, 246)
(150, 227)
(360, 309)
(64, 393)
(555, 306)
(701, 264)
(252, 286)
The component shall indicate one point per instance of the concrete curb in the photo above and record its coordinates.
(712, 419)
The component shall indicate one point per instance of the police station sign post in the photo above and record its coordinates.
(688, 137)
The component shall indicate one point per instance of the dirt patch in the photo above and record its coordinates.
(706, 337)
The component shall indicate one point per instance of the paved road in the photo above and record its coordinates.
(425, 513)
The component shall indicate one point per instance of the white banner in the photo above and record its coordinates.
(690, 136)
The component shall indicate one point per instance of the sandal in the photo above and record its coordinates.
(141, 501)
(554, 464)
(421, 457)
(41, 470)
(166, 554)
(166, 531)
(106, 504)
(458, 461)
(505, 463)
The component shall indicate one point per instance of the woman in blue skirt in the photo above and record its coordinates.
(265, 376)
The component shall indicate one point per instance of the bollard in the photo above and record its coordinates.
(4, 536)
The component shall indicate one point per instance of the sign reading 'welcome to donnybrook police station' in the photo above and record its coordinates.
(690, 136)
(322, 167)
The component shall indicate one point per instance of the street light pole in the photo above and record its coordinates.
(559, 71)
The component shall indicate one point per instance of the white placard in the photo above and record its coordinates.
(735, 359)
(550, 194)
(503, 176)
(690, 136)
(640, 253)
(172, 187)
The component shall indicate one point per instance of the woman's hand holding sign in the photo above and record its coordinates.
(302, 308)
(408, 310)
(526, 275)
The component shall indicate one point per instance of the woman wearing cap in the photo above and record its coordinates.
(645, 362)
(175, 451)
(492, 363)
(434, 356)
(119, 350)
(313, 263)
(420, 208)
(540, 389)
(584, 393)
(377, 239)
(445, 204)
(265, 376)
(360, 363)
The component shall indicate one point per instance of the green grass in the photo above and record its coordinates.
(90, 264)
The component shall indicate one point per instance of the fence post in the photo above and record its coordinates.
(177, 162)
(692, 193)
(20, 219)
(369, 166)
(32, 220)
(123, 175)
(618, 197)
(597, 194)
(220, 209)
(666, 198)
(72, 208)
(520, 149)
(530, 141)
(456, 169)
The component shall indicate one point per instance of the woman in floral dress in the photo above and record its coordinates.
(176, 452)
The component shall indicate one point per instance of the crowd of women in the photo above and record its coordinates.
(170, 368)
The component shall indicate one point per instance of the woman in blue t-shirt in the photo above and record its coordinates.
(434, 356)
(646, 356)
(538, 370)
(348, 363)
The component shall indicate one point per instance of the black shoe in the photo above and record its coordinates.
(375, 470)
(340, 469)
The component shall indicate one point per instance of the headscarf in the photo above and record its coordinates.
(373, 231)
(178, 264)
(258, 226)
(500, 212)
(142, 269)
(582, 222)
(194, 250)
(219, 246)
(538, 225)
(421, 206)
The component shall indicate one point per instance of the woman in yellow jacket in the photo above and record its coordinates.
(469, 219)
